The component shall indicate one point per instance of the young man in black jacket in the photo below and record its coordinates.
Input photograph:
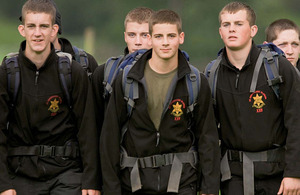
(259, 131)
(166, 149)
(47, 146)
(135, 35)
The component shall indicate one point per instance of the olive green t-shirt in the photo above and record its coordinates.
(157, 87)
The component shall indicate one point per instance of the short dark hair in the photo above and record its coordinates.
(165, 16)
(139, 15)
(278, 26)
(234, 7)
(39, 6)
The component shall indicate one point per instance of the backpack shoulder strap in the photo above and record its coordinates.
(110, 68)
(272, 69)
(270, 60)
(64, 70)
(211, 73)
(131, 93)
(13, 76)
(193, 82)
(82, 58)
(130, 89)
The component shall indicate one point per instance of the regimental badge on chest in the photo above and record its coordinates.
(176, 108)
(258, 100)
(53, 102)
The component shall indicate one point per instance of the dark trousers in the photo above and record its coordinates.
(186, 190)
(67, 183)
(268, 186)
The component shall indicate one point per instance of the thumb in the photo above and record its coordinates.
(280, 189)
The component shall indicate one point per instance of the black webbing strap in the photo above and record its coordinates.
(247, 158)
(70, 151)
(256, 70)
(213, 77)
(155, 161)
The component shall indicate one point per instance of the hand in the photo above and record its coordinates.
(9, 192)
(289, 186)
(90, 192)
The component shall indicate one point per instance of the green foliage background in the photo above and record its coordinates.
(106, 17)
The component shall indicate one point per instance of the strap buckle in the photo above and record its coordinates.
(158, 161)
(47, 151)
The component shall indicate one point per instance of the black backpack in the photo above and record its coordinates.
(82, 58)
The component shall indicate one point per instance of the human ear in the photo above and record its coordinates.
(21, 30)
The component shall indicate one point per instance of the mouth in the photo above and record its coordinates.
(38, 40)
(165, 50)
(232, 38)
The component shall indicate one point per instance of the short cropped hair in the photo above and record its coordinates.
(139, 15)
(39, 6)
(278, 26)
(165, 16)
(234, 7)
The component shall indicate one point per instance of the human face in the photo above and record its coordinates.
(136, 36)
(236, 31)
(165, 40)
(288, 41)
(38, 31)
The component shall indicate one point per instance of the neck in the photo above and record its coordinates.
(56, 44)
(238, 57)
(38, 58)
(162, 66)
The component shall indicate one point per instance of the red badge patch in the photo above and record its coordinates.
(176, 106)
(258, 98)
(54, 102)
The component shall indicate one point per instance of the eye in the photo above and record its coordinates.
(157, 36)
(44, 26)
(281, 45)
(144, 35)
(30, 26)
(131, 35)
(295, 44)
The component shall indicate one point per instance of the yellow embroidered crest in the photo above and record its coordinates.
(54, 106)
(177, 110)
(54, 102)
(258, 103)
(257, 97)
(177, 106)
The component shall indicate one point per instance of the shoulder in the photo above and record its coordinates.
(98, 73)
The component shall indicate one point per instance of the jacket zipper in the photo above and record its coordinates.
(157, 138)
(237, 80)
(37, 73)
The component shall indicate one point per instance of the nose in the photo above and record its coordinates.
(37, 31)
(138, 40)
(231, 28)
(289, 49)
(165, 41)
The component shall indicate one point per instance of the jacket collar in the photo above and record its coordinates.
(51, 59)
(66, 46)
(137, 71)
(251, 59)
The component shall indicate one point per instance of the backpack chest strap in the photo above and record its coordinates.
(247, 158)
(156, 161)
